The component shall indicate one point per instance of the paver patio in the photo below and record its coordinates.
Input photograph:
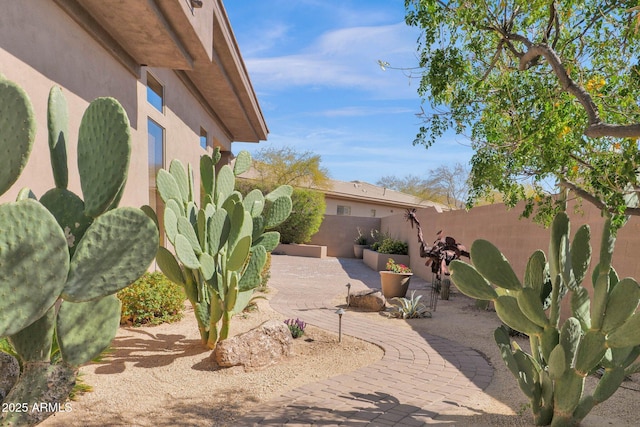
(419, 376)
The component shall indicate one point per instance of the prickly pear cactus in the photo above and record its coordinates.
(62, 259)
(603, 331)
(221, 246)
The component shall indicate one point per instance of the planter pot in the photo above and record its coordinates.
(378, 262)
(394, 284)
(358, 250)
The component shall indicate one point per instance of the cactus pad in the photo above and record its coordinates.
(34, 260)
(58, 125)
(104, 149)
(17, 132)
(470, 282)
(33, 343)
(68, 209)
(490, 262)
(115, 250)
(177, 170)
(242, 163)
(85, 329)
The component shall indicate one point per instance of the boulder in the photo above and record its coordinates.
(9, 373)
(256, 348)
(367, 300)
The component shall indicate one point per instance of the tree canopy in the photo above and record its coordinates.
(447, 184)
(285, 165)
(545, 90)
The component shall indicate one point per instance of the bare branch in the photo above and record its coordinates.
(599, 130)
(494, 60)
(552, 19)
(565, 80)
(594, 200)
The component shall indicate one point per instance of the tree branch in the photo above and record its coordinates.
(599, 130)
(596, 128)
(593, 199)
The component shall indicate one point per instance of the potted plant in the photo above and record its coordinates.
(359, 244)
(395, 280)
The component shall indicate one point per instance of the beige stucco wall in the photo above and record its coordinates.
(516, 237)
(40, 46)
(337, 233)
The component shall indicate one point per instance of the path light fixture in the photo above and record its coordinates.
(348, 294)
(340, 312)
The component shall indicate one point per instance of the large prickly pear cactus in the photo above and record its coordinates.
(221, 246)
(62, 259)
(603, 331)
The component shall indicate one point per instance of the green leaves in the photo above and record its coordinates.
(526, 121)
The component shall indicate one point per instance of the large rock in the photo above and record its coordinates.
(367, 300)
(9, 373)
(256, 348)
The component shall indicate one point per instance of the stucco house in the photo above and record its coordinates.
(174, 65)
(361, 199)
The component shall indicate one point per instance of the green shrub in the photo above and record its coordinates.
(151, 300)
(392, 246)
(306, 216)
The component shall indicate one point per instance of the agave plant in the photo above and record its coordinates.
(410, 308)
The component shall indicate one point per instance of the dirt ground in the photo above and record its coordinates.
(162, 375)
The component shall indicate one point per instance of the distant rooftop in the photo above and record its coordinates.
(365, 192)
(360, 190)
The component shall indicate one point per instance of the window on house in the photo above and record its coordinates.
(203, 138)
(344, 210)
(155, 93)
(373, 213)
(156, 162)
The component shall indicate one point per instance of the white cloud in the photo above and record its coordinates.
(365, 111)
(344, 58)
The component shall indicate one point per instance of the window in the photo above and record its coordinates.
(156, 162)
(203, 138)
(373, 213)
(155, 93)
(344, 210)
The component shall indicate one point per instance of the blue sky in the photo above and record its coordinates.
(313, 65)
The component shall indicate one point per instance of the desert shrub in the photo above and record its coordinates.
(296, 327)
(151, 300)
(306, 216)
(392, 246)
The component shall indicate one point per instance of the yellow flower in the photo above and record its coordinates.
(595, 84)
(574, 169)
(565, 131)
(616, 145)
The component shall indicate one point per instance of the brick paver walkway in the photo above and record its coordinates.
(419, 376)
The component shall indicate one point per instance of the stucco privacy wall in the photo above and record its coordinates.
(41, 46)
(516, 238)
(337, 233)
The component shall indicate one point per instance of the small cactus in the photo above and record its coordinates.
(221, 246)
(62, 259)
(602, 332)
